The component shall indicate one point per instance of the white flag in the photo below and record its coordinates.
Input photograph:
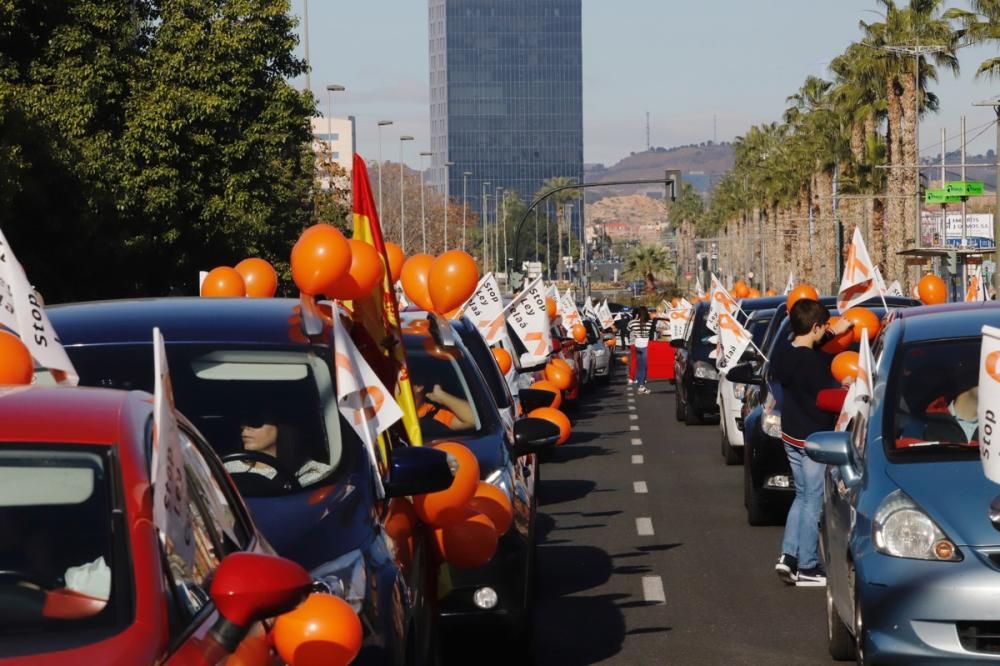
(486, 310)
(790, 284)
(733, 341)
(860, 281)
(530, 321)
(722, 303)
(699, 290)
(588, 308)
(23, 312)
(989, 402)
(604, 314)
(894, 289)
(171, 510)
(684, 304)
(859, 395)
(567, 310)
(363, 399)
(977, 290)
(678, 321)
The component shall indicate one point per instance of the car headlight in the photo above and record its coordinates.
(503, 480)
(902, 529)
(345, 577)
(704, 370)
(739, 390)
(771, 424)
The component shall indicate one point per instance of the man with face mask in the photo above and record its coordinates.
(803, 371)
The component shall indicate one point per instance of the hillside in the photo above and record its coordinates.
(700, 165)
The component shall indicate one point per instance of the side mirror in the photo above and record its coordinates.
(834, 448)
(831, 400)
(249, 587)
(743, 373)
(417, 470)
(531, 399)
(532, 435)
(677, 343)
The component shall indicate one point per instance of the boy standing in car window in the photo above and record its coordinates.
(803, 371)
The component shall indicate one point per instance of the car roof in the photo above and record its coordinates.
(764, 302)
(950, 320)
(183, 320)
(62, 414)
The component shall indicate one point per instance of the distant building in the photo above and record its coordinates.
(337, 136)
(506, 94)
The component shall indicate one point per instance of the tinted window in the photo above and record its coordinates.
(483, 357)
(442, 394)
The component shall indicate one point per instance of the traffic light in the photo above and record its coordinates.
(951, 262)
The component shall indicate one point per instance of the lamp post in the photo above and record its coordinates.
(465, 187)
(447, 199)
(486, 235)
(402, 206)
(423, 211)
(305, 42)
(330, 89)
(381, 124)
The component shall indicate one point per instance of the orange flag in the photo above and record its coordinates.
(380, 339)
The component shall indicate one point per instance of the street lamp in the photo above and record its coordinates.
(447, 199)
(423, 213)
(402, 206)
(486, 236)
(465, 187)
(381, 124)
(330, 89)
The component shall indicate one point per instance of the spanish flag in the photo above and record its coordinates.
(377, 315)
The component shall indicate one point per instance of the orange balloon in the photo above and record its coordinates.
(770, 292)
(447, 506)
(469, 543)
(559, 373)
(839, 343)
(546, 385)
(259, 276)
(503, 359)
(453, 279)
(932, 290)
(401, 524)
(551, 307)
(16, 366)
(845, 364)
(396, 258)
(366, 271)
(863, 318)
(252, 651)
(754, 293)
(740, 289)
(799, 292)
(319, 258)
(495, 504)
(674, 302)
(558, 418)
(579, 333)
(223, 282)
(323, 631)
(415, 276)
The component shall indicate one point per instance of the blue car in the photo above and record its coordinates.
(261, 389)
(912, 558)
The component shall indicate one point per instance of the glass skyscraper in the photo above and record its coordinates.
(506, 98)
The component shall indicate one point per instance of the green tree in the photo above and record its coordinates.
(981, 25)
(560, 199)
(649, 263)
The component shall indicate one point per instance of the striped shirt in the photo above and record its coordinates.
(637, 329)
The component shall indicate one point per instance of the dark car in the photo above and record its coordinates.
(502, 590)
(731, 393)
(487, 363)
(695, 374)
(238, 365)
(768, 488)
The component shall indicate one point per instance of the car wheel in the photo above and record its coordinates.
(732, 455)
(840, 642)
(691, 417)
(859, 625)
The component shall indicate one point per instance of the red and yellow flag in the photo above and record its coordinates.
(377, 315)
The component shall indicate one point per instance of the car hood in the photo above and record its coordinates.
(955, 494)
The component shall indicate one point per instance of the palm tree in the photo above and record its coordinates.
(979, 26)
(560, 198)
(648, 262)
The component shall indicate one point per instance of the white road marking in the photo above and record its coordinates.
(644, 526)
(631, 408)
(652, 590)
(633, 417)
(630, 400)
(637, 460)
(636, 441)
(640, 487)
(633, 427)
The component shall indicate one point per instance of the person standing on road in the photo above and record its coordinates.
(803, 371)
(640, 330)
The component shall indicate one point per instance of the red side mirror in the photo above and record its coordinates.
(248, 587)
(831, 399)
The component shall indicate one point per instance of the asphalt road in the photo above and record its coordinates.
(645, 555)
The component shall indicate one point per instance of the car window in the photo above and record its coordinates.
(934, 394)
(442, 395)
(481, 353)
(63, 546)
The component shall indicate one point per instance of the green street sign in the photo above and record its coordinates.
(941, 197)
(965, 188)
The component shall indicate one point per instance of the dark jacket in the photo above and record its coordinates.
(803, 373)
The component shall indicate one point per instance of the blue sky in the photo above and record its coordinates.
(684, 62)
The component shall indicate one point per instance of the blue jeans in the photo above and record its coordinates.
(640, 366)
(802, 526)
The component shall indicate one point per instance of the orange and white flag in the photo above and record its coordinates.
(733, 341)
(989, 402)
(859, 395)
(977, 290)
(860, 281)
(604, 314)
(722, 303)
(567, 310)
(486, 310)
(530, 321)
(790, 284)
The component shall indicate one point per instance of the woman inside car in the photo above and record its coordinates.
(261, 433)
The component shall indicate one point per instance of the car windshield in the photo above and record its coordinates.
(272, 415)
(935, 395)
(758, 327)
(440, 390)
(56, 546)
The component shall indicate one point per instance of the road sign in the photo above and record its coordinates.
(965, 188)
(941, 197)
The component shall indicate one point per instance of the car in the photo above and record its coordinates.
(731, 393)
(496, 382)
(768, 489)
(907, 536)
(237, 364)
(602, 367)
(83, 576)
(565, 347)
(696, 377)
(500, 593)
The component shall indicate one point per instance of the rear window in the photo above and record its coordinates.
(442, 394)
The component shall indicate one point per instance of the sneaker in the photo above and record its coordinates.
(814, 577)
(787, 568)
(644, 390)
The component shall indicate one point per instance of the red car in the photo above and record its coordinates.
(83, 577)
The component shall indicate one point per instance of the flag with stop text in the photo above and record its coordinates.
(567, 310)
(860, 281)
(721, 303)
(23, 312)
(989, 402)
(376, 316)
(530, 320)
(859, 395)
(485, 309)
(733, 341)
(364, 401)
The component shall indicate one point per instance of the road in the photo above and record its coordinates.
(645, 555)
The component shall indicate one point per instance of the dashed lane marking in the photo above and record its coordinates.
(636, 441)
(637, 460)
(644, 526)
(631, 408)
(640, 487)
(633, 417)
(652, 590)
(635, 427)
